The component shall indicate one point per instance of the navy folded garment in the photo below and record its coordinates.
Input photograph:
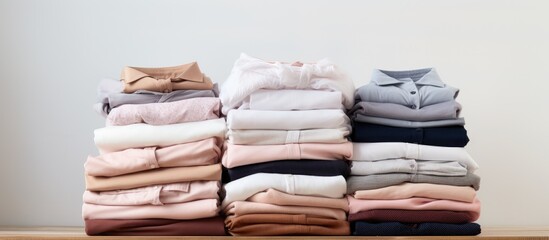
(361, 228)
(449, 136)
(301, 167)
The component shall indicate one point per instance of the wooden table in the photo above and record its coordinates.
(78, 233)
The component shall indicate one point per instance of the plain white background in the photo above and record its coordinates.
(53, 54)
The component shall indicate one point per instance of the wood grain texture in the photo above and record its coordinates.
(78, 233)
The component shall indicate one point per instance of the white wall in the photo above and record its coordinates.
(53, 54)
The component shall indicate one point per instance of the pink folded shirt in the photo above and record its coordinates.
(204, 152)
(239, 155)
(358, 205)
(240, 208)
(156, 195)
(181, 211)
(188, 110)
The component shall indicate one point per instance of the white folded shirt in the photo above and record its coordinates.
(291, 99)
(275, 137)
(243, 188)
(392, 150)
(436, 168)
(116, 138)
(286, 120)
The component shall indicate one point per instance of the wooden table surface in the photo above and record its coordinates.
(78, 233)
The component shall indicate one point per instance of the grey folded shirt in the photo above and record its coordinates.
(111, 100)
(355, 183)
(409, 124)
(439, 111)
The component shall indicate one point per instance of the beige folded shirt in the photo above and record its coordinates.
(154, 177)
(273, 137)
(426, 190)
(272, 196)
(166, 79)
(240, 208)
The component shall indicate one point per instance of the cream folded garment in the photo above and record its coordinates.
(239, 155)
(181, 211)
(156, 195)
(243, 188)
(285, 100)
(276, 137)
(287, 120)
(392, 150)
(188, 110)
(416, 203)
(154, 177)
(203, 152)
(240, 208)
(424, 190)
(117, 138)
(437, 168)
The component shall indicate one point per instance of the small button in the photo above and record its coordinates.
(413, 107)
(152, 166)
(413, 92)
(166, 91)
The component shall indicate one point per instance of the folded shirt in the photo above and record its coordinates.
(440, 111)
(383, 151)
(110, 96)
(203, 152)
(117, 138)
(286, 120)
(156, 195)
(409, 124)
(189, 110)
(154, 177)
(299, 167)
(275, 197)
(355, 183)
(416, 88)
(361, 228)
(448, 136)
(240, 155)
(189, 210)
(436, 168)
(426, 190)
(251, 74)
(165, 79)
(242, 208)
(285, 100)
(415, 203)
(242, 189)
(213, 226)
(414, 216)
(285, 224)
(274, 137)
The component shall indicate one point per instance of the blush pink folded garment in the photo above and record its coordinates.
(426, 190)
(181, 211)
(156, 195)
(239, 155)
(240, 208)
(273, 196)
(204, 152)
(188, 110)
(359, 205)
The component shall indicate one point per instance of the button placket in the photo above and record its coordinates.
(292, 137)
(151, 156)
(156, 195)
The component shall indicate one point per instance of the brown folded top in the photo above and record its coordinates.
(302, 219)
(154, 177)
(183, 77)
(156, 227)
(284, 224)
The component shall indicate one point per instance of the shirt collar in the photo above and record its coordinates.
(425, 76)
(188, 72)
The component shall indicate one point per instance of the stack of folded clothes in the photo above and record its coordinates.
(287, 148)
(158, 172)
(410, 172)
